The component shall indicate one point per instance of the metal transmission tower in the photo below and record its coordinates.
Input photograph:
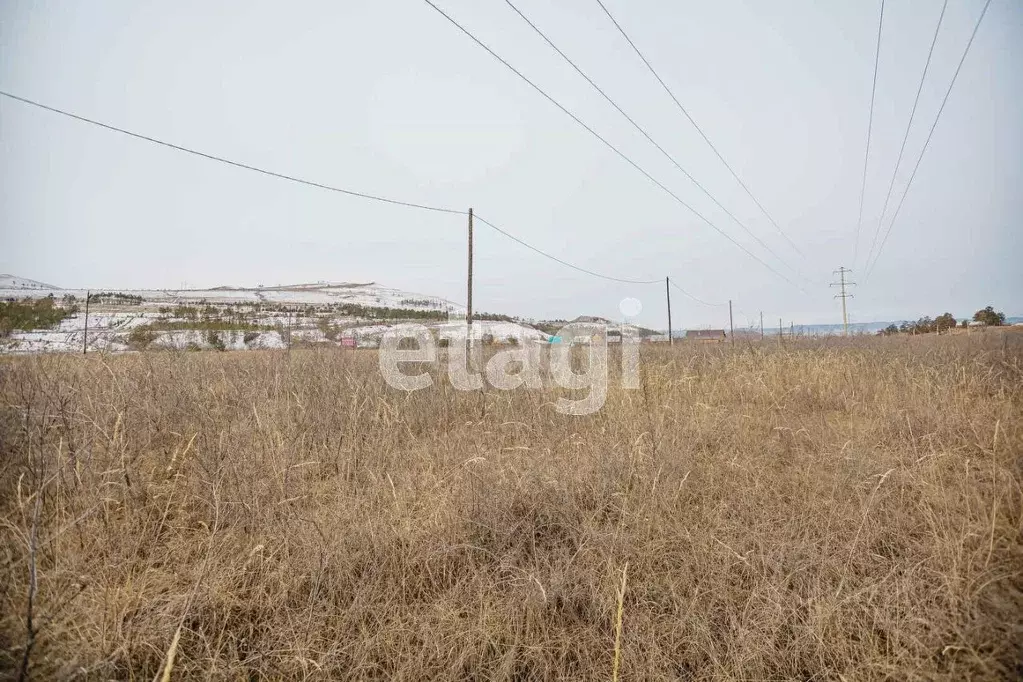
(841, 272)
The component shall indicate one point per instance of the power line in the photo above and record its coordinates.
(563, 262)
(698, 129)
(318, 185)
(645, 133)
(328, 187)
(905, 138)
(604, 140)
(923, 151)
(698, 300)
(870, 125)
(310, 183)
(237, 164)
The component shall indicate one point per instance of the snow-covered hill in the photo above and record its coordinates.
(318, 293)
(24, 285)
(237, 318)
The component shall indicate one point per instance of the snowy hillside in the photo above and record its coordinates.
(24, 285)
(319, 293)
(236, 318)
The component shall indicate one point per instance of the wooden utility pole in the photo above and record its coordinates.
(468, 305)
(85, 336)
(780, 332)
(761, 325)
(731, 324)
(667, 292)
(843, 295)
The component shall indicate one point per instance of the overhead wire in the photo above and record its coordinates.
(609, 145)
(689, 295)
(698, 128)
(349, 192)
(318, 185)
(623, 280)
(927, 142)
(909, 126)
(645, 134)
(870, 126)
(237, 164)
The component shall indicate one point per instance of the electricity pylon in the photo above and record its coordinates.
(843, 295)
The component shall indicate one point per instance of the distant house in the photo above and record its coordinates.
(705, 335)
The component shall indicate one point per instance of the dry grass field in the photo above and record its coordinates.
(840, 511)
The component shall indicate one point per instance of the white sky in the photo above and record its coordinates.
(389, 98)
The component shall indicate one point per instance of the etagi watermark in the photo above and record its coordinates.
(520, 364)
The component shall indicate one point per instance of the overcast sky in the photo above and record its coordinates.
(389, 98)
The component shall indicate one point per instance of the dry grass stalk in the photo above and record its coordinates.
(168, 666)
(618, 624)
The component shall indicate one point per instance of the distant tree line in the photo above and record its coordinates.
(493, 317)
(112, 297)
(422, 302)
(385, 313)
(944, 322)
(28, 314)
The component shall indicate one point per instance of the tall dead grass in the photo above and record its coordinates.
(846, 511)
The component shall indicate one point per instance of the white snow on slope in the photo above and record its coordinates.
(23, 284)
(324, 293)
(110, 324)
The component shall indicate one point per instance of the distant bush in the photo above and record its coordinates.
(212, 337)
(989, 317)
(944, 321)
(330, 331)
(250, 337)
(141, 337)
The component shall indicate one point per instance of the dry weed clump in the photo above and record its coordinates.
(848, 510)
